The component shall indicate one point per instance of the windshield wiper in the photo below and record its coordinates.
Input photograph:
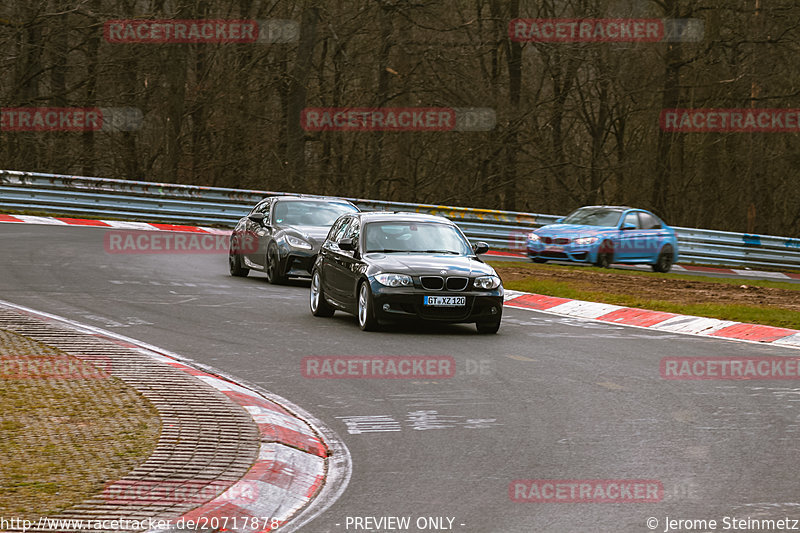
(390, 251)
(440, 252)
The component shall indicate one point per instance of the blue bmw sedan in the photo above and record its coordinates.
(602, 235)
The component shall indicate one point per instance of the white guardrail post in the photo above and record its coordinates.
(78, 196)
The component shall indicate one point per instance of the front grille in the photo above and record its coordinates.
(432, 283)
(553, 255)
(559, 240)
(456, 283)
(445, 313)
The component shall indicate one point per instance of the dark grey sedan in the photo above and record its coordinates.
(281, 236)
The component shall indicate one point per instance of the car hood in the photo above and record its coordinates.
(428, 264)
(572, 230)
(315, 235)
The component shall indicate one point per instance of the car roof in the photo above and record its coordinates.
(388, 216)
(310, 198)
(622, 208)
(619, 207)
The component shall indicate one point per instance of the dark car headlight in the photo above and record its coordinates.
(487, 282)
(394, 280)
(296, 242)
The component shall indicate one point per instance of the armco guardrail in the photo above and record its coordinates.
(187, 204)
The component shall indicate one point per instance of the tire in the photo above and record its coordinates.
(538, 259)
(319, 307)
(665, 260)
(272, 265)
(366, 309)
(605, 255)
(487, 328)
(235, 261)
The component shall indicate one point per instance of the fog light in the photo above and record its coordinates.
(385, 307)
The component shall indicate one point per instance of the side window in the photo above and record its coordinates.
(260, 206)
(334, 229)
(659, 223)
(632, 218)
(353, 231)
(655, 223)
(337, 231)
(265, 209)
(649, 221)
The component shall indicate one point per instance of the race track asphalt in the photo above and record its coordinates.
(549, 397)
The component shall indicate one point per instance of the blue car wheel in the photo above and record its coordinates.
(665, 259)
(605, 255)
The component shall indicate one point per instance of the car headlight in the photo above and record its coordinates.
(487, 282)
(585, 240)
(533, 237)
(394, 280)
(295, 242)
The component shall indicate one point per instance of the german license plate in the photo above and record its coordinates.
(554, 248)
(445, 301)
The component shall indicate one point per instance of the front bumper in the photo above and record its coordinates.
(297, 265)
(297, 262)
(567, 252)
(398, 303)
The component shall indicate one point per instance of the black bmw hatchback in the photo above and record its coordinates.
(384, 266)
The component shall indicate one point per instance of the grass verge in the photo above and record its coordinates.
(64, 435)
(772, 303)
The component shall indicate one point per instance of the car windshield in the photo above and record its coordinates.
(414, 237)
(594, 216)
(300, 213)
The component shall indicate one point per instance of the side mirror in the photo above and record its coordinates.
(480, 248)
(258, 218)
(559, 220)
(347, 244)
(626, 227)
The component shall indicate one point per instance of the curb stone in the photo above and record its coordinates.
(263, 463)
(658, 320)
